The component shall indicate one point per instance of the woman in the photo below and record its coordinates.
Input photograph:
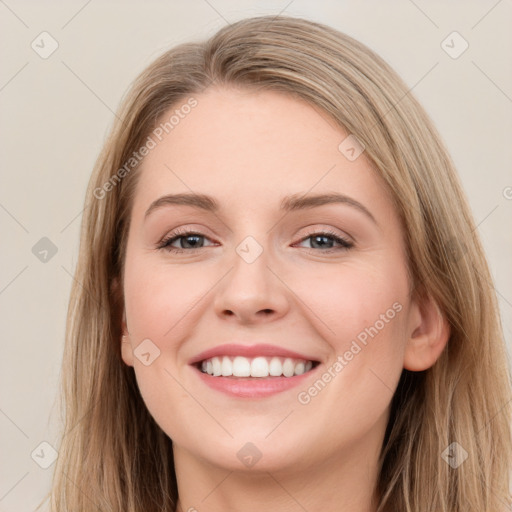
(281, 300)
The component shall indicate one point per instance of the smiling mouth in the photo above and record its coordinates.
(255, 367)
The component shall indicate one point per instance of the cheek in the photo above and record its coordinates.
(365, 311)
(356, 301)
(158, 301)
(159, 297)
(162, 304)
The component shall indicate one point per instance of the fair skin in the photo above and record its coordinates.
(248, 150)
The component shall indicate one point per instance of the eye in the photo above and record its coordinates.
(325, 241)
(186, 240)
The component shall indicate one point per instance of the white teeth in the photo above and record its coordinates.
(226, 367)
(255, 367)
(299, 368)
(216, 366)
(288, 368)
(275, 367)
(259, 367)
(241, 367)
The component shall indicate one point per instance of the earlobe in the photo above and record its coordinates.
(428, 335)
(126, 346)
(126, 349)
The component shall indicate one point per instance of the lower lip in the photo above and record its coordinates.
(255, 387)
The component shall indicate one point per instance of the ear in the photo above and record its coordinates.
(429, 332)
(126, 346)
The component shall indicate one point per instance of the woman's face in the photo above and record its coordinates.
(323, 279)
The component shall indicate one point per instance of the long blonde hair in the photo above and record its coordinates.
(113, 456)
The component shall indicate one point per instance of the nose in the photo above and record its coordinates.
(251, 293)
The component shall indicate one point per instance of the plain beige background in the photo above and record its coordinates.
(56, 111)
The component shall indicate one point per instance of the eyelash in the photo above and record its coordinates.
(165, 244)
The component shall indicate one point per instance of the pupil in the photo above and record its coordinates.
(187, 238)
(321, 237)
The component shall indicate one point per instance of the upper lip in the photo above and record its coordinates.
(249, 351)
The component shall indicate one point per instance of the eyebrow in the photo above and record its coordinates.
(290, 203)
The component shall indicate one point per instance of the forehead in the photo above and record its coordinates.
(252, 148)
